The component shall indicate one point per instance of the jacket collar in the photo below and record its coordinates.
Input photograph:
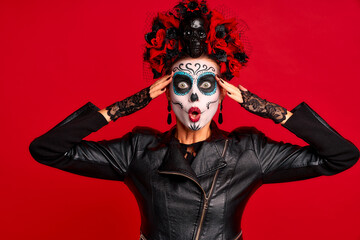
(207, 160)
(216, 134)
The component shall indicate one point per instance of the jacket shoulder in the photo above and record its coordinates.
(248, 137)
(245, 131)
(143, 130)
(146, 134)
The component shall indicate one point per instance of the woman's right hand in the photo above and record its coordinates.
(159, 87)
(137, 101)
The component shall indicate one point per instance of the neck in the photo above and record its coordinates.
(187, 136)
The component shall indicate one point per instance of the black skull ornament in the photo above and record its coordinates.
(193, 35)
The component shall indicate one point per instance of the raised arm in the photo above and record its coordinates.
(63, 146)
(328, 152)
(136, 101)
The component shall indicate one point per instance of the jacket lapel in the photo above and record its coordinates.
(175, 163)
(207, 160)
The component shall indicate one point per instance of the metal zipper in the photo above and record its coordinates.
(238, 236)
(142, 237)
(206, 198)
(184, 175)
(206, 204)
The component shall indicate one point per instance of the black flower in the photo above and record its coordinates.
(204, 9)
(171, 53)
(220, 31)
(157, 24)
(171, 33)
(209, 16)
(180, 9)
(228, 39)
(150, 36)
(220, 55)
(228, 76)
(147, 54)
(242, 57)
(192, 5)
(156, 73)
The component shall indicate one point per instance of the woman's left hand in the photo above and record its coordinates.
(232, 91)
(254, 103)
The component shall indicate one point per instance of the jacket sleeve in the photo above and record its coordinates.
(62, 147)
(328, 152)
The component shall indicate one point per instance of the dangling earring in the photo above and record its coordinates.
(220, 119)
(169, 114)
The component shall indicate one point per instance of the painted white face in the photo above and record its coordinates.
(194, 91)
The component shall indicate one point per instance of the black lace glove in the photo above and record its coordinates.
(129, 105)
(261, 107)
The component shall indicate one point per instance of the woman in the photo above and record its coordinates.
(193, 181)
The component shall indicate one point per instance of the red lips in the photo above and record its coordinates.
(194, 114)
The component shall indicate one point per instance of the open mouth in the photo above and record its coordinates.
(194, 114)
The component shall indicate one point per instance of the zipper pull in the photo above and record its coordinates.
(206, 204)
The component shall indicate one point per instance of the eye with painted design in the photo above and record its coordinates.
(207, 84)
(182, 84)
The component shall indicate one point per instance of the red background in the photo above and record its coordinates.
(57, 55)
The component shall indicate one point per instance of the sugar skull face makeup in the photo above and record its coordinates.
(194, 91)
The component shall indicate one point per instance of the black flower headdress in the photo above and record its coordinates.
(165, 42)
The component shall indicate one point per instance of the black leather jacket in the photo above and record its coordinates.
(205, 200)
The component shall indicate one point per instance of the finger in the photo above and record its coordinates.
(222, 83)
(235, 97)
(231, 91)
(227, 85)
(242, 88)
(219, 79)
(166, 80)
(228, 89)
(155, 94)
(163, 79)
(163, 84)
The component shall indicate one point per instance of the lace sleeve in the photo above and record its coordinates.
(263, 108)
(129, 105)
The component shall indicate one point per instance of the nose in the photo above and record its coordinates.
(194, 97)
(195, 40)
